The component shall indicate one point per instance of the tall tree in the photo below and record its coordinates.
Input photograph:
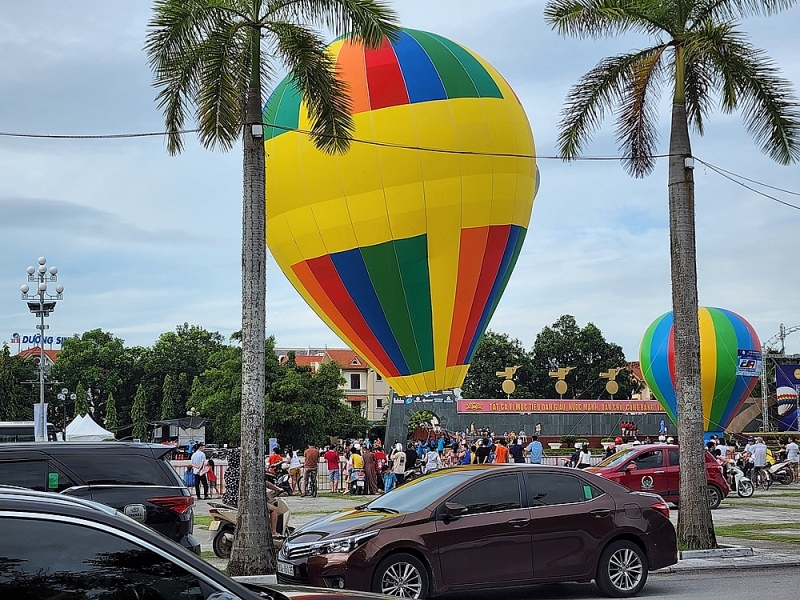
(112, 423)
(139, 415)
(170, 398)
(208, 54)
(701, 55)
(494, 353)
(81, 400)
(16, 398)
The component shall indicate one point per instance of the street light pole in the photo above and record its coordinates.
(41, 303)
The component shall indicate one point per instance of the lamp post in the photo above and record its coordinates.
(41, 303)
(63, 396)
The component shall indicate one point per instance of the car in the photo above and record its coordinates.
(485, 527)
(71, 548)
(655, 468)
(134, 478)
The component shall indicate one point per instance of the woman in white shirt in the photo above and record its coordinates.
(294, 468)
(585, 457)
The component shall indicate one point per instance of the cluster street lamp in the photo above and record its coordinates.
(41, 303)
(63, 396)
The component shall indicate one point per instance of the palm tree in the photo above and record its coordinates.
(699, 52)
(216, 57)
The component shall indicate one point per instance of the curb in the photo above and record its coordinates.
(721, 552)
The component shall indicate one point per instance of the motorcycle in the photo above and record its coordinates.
(782, 472)
(358, 481)
(280, 478)
(739, 482)
(224, 524)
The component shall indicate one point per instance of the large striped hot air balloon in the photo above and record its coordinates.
(723, 334)
(405, 244)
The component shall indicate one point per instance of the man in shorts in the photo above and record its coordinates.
(310, 464)
(331, 457)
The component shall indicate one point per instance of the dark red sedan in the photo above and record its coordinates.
(487, 526)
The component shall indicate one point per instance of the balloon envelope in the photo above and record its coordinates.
(722, 334)
(404, 244)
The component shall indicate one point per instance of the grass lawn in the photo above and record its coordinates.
(202, 521)
(760, 531)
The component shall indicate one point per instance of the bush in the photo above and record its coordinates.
(568, 439)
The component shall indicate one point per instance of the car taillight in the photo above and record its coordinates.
(178, 504)
(661, 507)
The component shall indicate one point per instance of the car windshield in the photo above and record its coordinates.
(617, 459)
(422, 492)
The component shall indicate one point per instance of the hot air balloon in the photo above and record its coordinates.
(404, 245)
(723, 334)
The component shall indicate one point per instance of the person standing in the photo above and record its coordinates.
(759, 452)
(370, 474)
(501, 452)
(535, 451)
(585, 457)
(398, 458)
(482, 453)
(517, 451)
(411, 458)
(310, 465)
(200, 468)
(294, 469)
(331, 457)
(389, 479)
(793, 456)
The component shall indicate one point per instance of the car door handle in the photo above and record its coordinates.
(658, 472)
(518, 522)
(601, 512)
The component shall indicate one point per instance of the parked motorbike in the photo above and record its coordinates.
(739, 482)
(280, 478)
(782, 472)
(224, 524)
(415, 471)
(358, 481)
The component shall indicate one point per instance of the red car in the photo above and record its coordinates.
(655, 468)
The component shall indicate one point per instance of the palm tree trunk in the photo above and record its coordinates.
(252, 552)
(695, 526)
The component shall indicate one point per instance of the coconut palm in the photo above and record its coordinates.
(214, 59)
(698, 52)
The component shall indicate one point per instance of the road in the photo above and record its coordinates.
(719, 585)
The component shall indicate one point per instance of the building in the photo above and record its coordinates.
(50, 356)
(364, 388)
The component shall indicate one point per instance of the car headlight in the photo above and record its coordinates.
(343, 544)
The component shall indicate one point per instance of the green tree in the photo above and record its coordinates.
(565, 344)
(217, 393)
(700, 55)
(139, 415)
(494, 353)
(111, 422)
(16, 398)
(208, 54)
(170, 398)
(81, 400)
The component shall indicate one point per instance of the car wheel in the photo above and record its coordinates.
(622, 571)
(401, 575)
(745, 488)
(223, 542)
(714, 496)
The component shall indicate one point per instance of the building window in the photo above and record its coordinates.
(378, 402)
(378, 376)
(355, 381)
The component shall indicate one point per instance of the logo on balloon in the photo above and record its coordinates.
(726, 342)
(405, 244)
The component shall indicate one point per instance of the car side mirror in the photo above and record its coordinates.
(454, 510)
(631, 467)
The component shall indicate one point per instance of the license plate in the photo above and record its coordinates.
(360, 483)
(286, 568)
(214, 526)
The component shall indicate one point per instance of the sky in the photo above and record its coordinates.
(144, 241)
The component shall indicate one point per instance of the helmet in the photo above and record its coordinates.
(618, 440)
(670, 440)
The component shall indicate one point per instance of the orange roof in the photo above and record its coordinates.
(305, 361)
(636, 370)
(36, 352)
(347, 358)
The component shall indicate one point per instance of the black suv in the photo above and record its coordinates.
(136, 479)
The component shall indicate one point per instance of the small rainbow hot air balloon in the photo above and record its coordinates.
(405, 244)
(722, 335)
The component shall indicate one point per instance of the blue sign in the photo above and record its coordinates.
(749, 363)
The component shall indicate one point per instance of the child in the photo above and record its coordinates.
(389, 479)
(212, 478)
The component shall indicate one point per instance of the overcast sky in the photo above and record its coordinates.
(144, 241)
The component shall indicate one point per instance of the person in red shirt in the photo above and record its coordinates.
(274, 459)
(331, 457)
(501, 452)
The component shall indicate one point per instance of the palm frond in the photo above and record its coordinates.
(637, 130)
(601, 18)
(602, 88)
(370, 20)
(313, 70)
(725, 10)
(749, 80)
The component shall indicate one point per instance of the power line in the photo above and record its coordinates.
(732, 176)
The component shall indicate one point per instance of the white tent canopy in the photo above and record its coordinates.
(84, 429)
